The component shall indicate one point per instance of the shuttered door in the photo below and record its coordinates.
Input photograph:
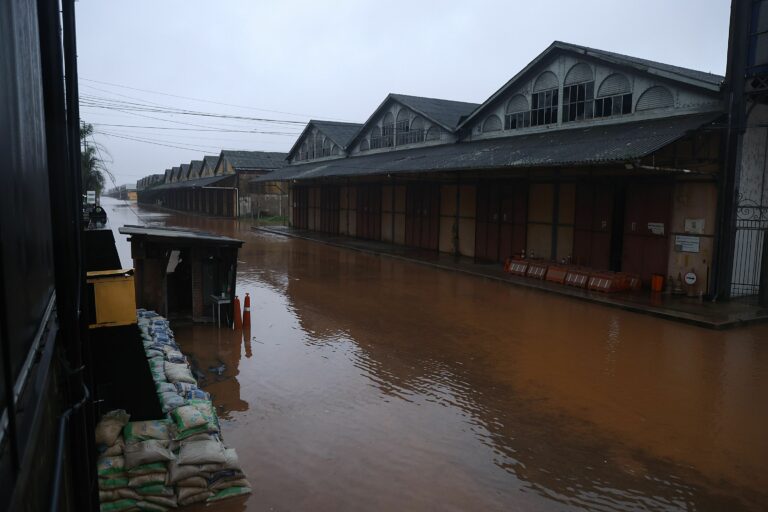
(422, 216)
(646, 229)
(330, 198)
(369, 212)
(501, 220)
(514, 210)
(592, 225)
(301, 207)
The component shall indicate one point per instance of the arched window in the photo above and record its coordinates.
(492, 123)
(578, 93)
(517, 113)
(388, 130)
(614, 96)
(318, 146)
(364, 145)
(416, 131)
(402, 126)
(327, 146)
(434, 133)
(303, 152)
(544, 100)
(335, 151)
(655, 97)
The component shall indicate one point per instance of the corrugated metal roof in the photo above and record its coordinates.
(448, 113)
(200, 182)
(255, 159)
(210, 161)
(177, 233)
(194, 169)
(340, 133)
(595, 144)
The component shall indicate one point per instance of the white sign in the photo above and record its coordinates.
(694, 226)
(657, 228)
(90, 197)
(690, 278)
(686, 243)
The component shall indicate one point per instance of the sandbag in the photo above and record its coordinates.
(115, 506)
(177, 472)
(155, 490)
(107, 484)
(143, 430)
(231, 461)
(110, 426)
(189, 495)
(150, 507)
(183, 387)
(148, 479)
(224, 484)
(210, 451)
(170, 401)
(229, 492)
(109, 466)
(145, 452)
(212, 426)
(187, 417)
(167, 501)
(115, 449)
(178, 373)
(146, 469)
(166, 387)
(193, 481)
(196, 394)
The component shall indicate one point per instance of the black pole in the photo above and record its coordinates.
(733, 90)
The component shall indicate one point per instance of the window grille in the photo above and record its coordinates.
(517, 120)
(410, 137)
(616, 105)
(578, 101)
(544, 107)
(387, 135)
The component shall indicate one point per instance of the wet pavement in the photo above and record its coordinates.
(370, 383)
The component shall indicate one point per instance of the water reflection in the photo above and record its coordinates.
(373, 384)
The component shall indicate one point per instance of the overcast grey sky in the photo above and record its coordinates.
(291, 60)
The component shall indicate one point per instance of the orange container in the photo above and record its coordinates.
(657, 283)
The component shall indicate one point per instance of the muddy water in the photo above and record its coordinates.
(369, 383)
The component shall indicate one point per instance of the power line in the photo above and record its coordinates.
(222, 130)
(206, 101)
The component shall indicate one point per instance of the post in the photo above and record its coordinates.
(764, 272)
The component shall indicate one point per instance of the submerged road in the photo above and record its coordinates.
(370, 383)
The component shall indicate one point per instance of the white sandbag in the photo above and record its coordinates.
(166, 501)
(189, 495)
(193, 481)
(210, 451)
(110, 426)
(175, 372)
(146, 452)
(177, 472)
(115, 449)
(234, 482)
(148, 479)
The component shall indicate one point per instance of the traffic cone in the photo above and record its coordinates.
(247, 312)
(236, 313)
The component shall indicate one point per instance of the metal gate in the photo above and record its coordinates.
(751, 225)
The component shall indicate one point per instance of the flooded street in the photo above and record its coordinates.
(370, 383)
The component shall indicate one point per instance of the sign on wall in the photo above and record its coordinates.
(687, 243)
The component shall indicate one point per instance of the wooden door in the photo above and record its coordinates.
(646, 229)
(593, 222)
(422, 216)
(301, 207)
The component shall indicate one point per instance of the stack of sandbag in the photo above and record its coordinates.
(114, 491)
(146, 462)
(202, 468)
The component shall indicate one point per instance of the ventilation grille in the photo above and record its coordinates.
(655, 97)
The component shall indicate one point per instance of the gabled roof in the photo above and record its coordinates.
(249, 160)
(690, 77)
(340, 133)
(210, 161)
(446, 113)
(175, 173)
(588, 145)
(195, 166)
(184, 172)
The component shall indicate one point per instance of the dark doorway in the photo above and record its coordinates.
(422, 216)
(502, 211)
(369, 212)
(179, 284)
(646, 229)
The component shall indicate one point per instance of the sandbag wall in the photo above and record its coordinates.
(173, 461)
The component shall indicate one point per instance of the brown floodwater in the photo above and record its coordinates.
(370, 383)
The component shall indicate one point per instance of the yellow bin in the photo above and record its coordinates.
(114, 297)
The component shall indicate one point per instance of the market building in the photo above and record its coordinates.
(584, 157)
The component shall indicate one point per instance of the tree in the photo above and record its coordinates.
(92, 166)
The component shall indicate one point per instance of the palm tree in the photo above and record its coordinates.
(92, 165)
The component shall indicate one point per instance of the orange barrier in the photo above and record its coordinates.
(657, 283)
(247, 312)
(236, 313)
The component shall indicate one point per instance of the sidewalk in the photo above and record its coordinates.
(711, 315)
